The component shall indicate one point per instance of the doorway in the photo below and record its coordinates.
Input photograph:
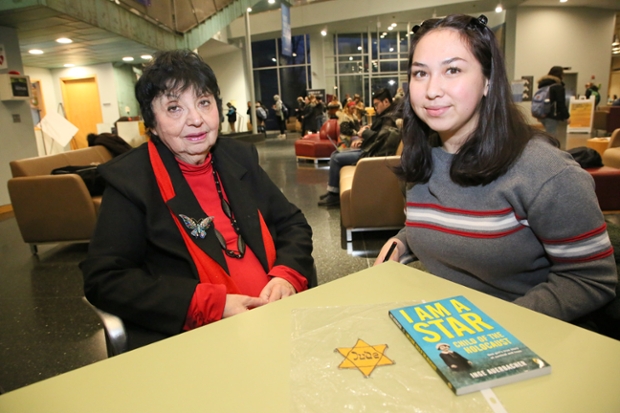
(82, 107)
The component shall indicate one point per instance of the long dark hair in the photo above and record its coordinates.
(174, 70)
(502, 131)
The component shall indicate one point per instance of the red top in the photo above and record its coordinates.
(247, 273)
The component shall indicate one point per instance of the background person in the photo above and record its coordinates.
(232, 116)
(278, 108)
(191, 229)
(492, 204)
(555, 122)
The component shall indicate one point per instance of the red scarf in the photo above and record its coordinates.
(209, 271)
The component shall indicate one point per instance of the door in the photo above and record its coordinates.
(82, 107)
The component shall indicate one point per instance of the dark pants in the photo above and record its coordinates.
(336, 161)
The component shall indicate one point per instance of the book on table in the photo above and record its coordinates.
(466, 347)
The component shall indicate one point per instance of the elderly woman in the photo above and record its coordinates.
(191, 229)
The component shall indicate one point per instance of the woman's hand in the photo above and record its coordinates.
(276, 289)
(356, 143)
(395, 256)
(236, 303)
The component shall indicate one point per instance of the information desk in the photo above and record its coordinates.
(242, 364)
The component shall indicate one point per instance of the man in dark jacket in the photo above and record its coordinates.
(380, 139)
(554, 122)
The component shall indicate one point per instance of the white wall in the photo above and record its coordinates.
(575, 37)
(16, 138)
(229, 69)
(45, 146)
(104, 74)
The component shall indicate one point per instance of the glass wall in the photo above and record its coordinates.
(276, 74)
(361, 63)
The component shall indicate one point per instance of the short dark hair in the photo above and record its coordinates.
(557, 71)
(174, 70)
(382, 94)
(502, 131)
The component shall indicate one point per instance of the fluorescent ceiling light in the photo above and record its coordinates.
(64, 40)
(128, 59)
(146, 57)
(35, 51)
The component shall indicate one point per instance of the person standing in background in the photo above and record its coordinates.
(278, 107)
(555, 123)
(232, 116)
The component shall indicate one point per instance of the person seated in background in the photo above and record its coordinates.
(191, 229)
(380, 139)
(493, 204)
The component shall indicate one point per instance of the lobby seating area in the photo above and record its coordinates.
(47, 327)
(54, 208)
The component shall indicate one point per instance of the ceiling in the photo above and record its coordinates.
(38, 27)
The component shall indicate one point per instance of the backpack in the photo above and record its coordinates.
(260, 113)
(541, 102)
(284, 110)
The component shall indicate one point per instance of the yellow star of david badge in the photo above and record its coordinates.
(364, 357)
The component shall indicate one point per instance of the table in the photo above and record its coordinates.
(242, 364)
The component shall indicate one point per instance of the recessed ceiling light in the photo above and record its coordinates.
(64, 40)
(563, 1)
(128, 59)
(323, 32)
(249, 10)
(271, 1)
(35, 51)
(146, 57)
(391, 28)
(68, 65)
(499, 8)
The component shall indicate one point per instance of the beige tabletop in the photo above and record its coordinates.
(243, 364)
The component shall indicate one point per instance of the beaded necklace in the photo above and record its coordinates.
(228, 211)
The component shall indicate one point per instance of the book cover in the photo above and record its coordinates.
(466, 347)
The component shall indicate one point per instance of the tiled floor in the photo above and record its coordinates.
(46, 329)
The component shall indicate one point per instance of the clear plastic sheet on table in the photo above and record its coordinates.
(409, 385)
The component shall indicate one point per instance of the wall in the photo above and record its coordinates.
(576, 37)
(125, 80)
(229, 69)
(104, 73)
(45, 146)
(16, 139)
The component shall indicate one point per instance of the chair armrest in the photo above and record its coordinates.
(376, 198)
(52, 208)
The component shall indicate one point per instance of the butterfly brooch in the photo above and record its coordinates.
(199, 228)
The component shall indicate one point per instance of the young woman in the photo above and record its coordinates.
(492, 203)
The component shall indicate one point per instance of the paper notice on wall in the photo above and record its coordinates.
(58, 128)
(3, 62)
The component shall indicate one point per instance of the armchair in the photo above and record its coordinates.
(611, 156)
(319, 146)
(54, 208)
(371, 198)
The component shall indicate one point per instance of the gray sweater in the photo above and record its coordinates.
(535, 236)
